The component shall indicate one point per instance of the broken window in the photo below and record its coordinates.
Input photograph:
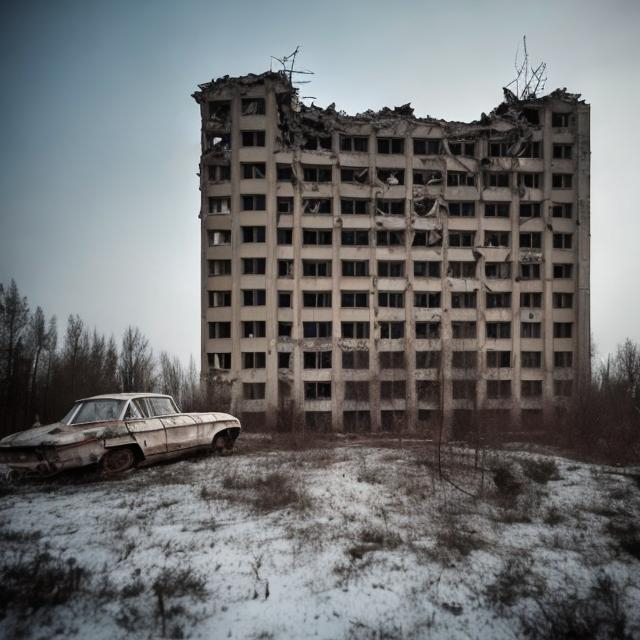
(391, 299)
(316, 298)
(427, 359)
(531, 359)
(391, 145)
(392, 330)
(354, 207)
(390, 238)
(318, 143)
(531, 240)
(254, 266)
(562, 359)
(462, 209)
(390, 207)
(254, 329)
(219, 298)
(461, 238)
(562, 270)
(498, 330)
(355, 359)
(531, 150)
(499, 359)
(357, 175)
(562, 151)
(391, 359)
(253, 170)
(531, 388)
(317, 174)
(355, 268)
(317, 329)
(253, 106)
(563, 210)
(498, 149)
(463, 329)
(359, 330)
(284, 299)
(285, 236)
(464, 389)
(253, 297)
(316, 236)
(392, 389)
(562, 300)
(285, 205)
(426, 299)
(428, 390)
(562, 329)
(316, 205)
(354, 299)
(498, 179)
(254, 360)
(500, 300)
(427, 146)
(217, 237)
(464, 359)
(462, 148)
(219, 360)
(531, 300)
(391, 177)
(530, 329)
(219, 330)
(560, 120)
(427, 176)
(497, 209)
(461, 269)
(218, 172)
(530, 180)
(254, 202)
(316, 359)
(463, 299)
(218, 142)
(219, 206)
(284, 329)
(460, 179)
(562, 241)
(356, 390)
(285, 268)
(284, 359)
(355, 237)
(218, 267)
(427, 330)
(252, 138)
(284, 172)
(357, 144)
(498, 389)
(253, 234)
(426, 269)
(496, 238)
(219, 110)
(317, 390)
(529, 271)
(316, 268)
(497, 270)
(562, 180)
(563, 388)
(390, 269)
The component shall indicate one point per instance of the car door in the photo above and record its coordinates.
(147, 430)
(183, 432)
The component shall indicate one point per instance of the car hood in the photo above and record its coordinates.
(62, 434)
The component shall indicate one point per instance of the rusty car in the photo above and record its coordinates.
(116, 432)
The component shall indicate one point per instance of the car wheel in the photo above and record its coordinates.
(222, 445)
(117, 460)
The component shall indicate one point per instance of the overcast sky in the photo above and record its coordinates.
(100, 143)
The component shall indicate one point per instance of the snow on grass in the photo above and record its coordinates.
(348, 541)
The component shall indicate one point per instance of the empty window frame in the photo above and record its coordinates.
(317, 329)
(253, 390)
(252, 138)
(316, 206)
(356, 421)
(354, 238)
(499, 149)
(355, 359)
(498, 389)
(562, 300)
(530, 180)
(218, 267)
(428, 390)
(562, 270)
(318, 143)
(530, 329)
(427, 176)
(390, 238)
(253, 170)
(355, 268)
(427, 299)
(218, 142)
(497, 209)
(284, 172)
(562, 359)
(284, 329)
(498, 300)
(427, 239)
(254, 360)
(284, 205)
(531, 300)
(563, 388)
(354, 144)
(562, 329)
(463, 299)
(563, 210)
(285, 236)
(284, 359)
(317, 174)
(460, 179)
(219, 298)
(354, 299)
(530, 209)
(391, 177)
(254, 266)
(218, 172)
(354, 206)
(391, 269)
(391, 330)
(219, 109)
(498, 179)
(253, 106)
(496, 238)
(392, 390)
(464, 359)
(219, 360)
(464, 389)
(498, 330)
(253, 297)
(357, 390)
(254, 329)
(253, 234)
(530, 271)
(499, 359)
(354, 175)
(562, 180)
(358, 330)
(218, 237)
(560, 120)
(562, 241)
(391, 359)
(462, 148)
(316, 268)
(497, 270)
(316, 237)
(562, 151)
(532, 149)
(285, 299)
(390, 207)
(531, 240)
(390, 146)
(531, 388)
(317, 390)
(464, 329)
(219, 330)
(531, 359)
(285, 268)
(316, 299)
(427, 146)
(257, 202)
(426, 268)
(428, 359)
(461, 269)
(219, 206)
(461, 238)
(427, 330)
(316, 359)
(462, 209)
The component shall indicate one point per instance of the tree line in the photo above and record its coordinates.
(42, 373)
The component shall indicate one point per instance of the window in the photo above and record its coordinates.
(254, 329)
(316, 268)
(427, 330)
(315, 206)
(562, 180)
(350, 299)
(390, 145)
(562, 300)
(464, 389)
(219, 330)
(356, 175)
(426, 239)
(464, 359)
(393, 389)
(355, 268)
(390, 238)
(560, 120)
(317, 329)
(284, 359)
(357, 144)
(499, 359)
(498, 149)
(426, 299)
(355, 237)
(495, 179)
(498, 330)
(251, 360)
(284, 299)
(531, 359)
(427, 359)
(354, 207)
(284, 205)
(461, 238)
(285, 268)
(562, 359)
(562, 270)
(462, 148)
(358, 330)
(217, 238)
(562, 388)
(392, 330)
(219, 110)
(496, 209)
(252, 138)
(253, 170)
(463, 329)
(462, 209)
(219, 360)
(316, 236)
(391, 359)
(219, 298)
(497, 270)
(461, 179)
(390, 207)
(218, 142)
(530, 209)
(285, 236)
(463, 300)
(255, 266)
(391, 177)
(219, 267)
(531, 240)
(284, 329)
(355, 359)
(390, 269)
(563, 210)
(284, 172)
(426, 269)
(428, 390)
(317, 390)
(531, 388)
(316, 298)
(356, 390)
(562, 240)
(496, 238)
(219, 206)
(254, 203)
(530, 329)
(531, 150)
(427, 176)
(529, 271)
(562, 329)
(562, 151)
(530, 180)
(253, 234)
(253, 297)
(253, 106)
(316, 359)
(318, 421)
(218, 172)
(498, 389)
(317, 174)
(253, 390)
(318, 143)
(427, 146)
(498, 300)
(356, 421)
(531, 300)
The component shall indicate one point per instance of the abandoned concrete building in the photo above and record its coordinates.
(387, 271)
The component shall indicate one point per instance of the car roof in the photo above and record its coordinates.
(124, 396)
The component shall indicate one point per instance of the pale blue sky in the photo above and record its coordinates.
(100, 137)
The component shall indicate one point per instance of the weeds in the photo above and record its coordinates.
(540, 470)
(271, 492)
(512, 583)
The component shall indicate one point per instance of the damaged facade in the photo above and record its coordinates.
(378, 271)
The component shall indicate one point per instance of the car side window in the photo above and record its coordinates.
(132, 412)
(141, 407)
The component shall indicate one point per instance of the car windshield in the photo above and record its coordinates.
(95, 411)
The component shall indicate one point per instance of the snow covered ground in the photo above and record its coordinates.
(347, 539)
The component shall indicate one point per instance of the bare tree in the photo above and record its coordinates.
(171, 375)
(136, 361)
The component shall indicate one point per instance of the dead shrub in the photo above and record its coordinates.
(508, 485)
(271, 491)
(553, 517)
(513, 583)
(540, 470)
(452, 539)
(626, 535)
